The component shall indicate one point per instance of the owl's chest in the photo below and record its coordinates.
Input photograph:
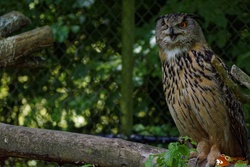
(186, 76)
(176, 81)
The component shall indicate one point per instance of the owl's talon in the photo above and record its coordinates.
(197, 162)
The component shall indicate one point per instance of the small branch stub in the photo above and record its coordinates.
(240, 76)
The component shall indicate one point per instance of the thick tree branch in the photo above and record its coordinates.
(18, 47)
(229, 82)
(65, 147)
(11, 22)
(13, 48)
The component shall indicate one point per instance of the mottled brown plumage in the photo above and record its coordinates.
(201, 105)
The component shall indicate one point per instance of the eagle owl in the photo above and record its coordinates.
(200, 103)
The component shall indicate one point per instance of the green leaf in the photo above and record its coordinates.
(75, 28)
(183, 150)
(149, 162)
(60, 32)
(87, 165)
(240, 165)
(168, 159)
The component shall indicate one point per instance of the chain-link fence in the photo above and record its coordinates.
(78, 89)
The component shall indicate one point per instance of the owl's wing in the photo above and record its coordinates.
(235, 112)
(217, 109)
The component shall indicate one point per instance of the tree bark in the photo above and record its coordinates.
(18, 46)
(13, 48)
(73, 148)
(242, 77)
(11, 22)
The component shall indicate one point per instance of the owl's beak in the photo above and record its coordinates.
(172, 34)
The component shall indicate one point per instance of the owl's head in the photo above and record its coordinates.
(178, 31)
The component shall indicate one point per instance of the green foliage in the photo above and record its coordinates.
(78, 91)
(163, 130)
(87, 165)
(60, 32)
(149, 162)
(177, 155)
(240, 165)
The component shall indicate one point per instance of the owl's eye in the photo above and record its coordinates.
(183, 24)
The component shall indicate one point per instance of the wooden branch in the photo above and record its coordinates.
(12, 48)
(73, 148)
(229, 82)
(240, 76)
(11, 22)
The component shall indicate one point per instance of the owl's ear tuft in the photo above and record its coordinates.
(158, 18)
(194, 16)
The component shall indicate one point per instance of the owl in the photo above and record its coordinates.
(200, 103)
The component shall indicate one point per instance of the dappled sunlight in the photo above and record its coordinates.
(79, 121)
(63, 123)
(4, 88)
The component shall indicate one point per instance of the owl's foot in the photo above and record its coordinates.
(206, 152)
(201, 154)
(203, 149)
(212, 156)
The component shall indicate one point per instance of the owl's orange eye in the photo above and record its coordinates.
(183, 24)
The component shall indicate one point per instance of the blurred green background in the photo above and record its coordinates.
(79, 89)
